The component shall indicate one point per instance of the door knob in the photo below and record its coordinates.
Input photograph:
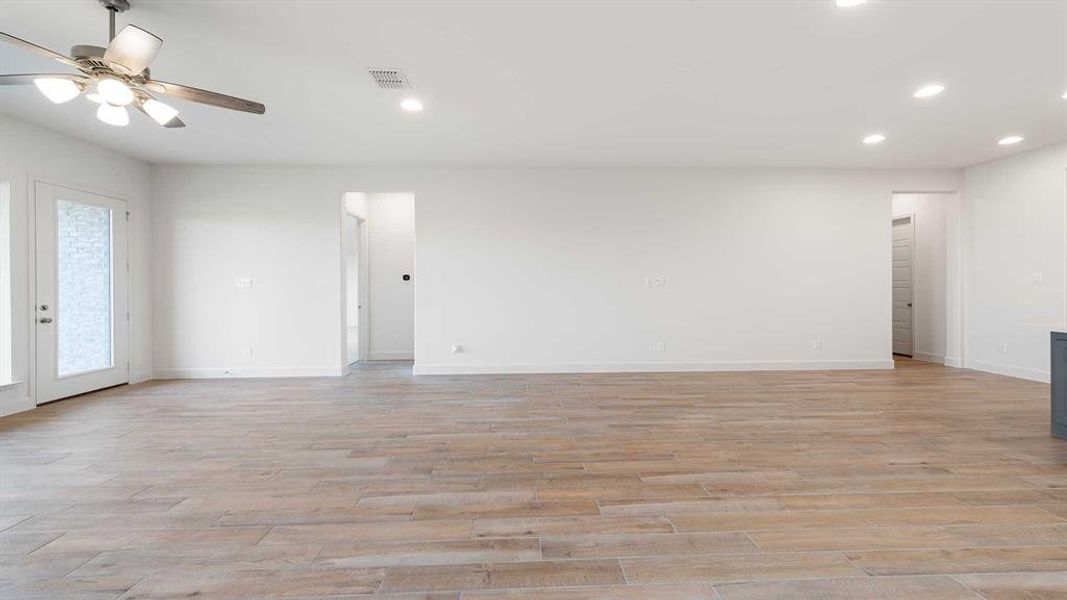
(46, 319)
(909, 304)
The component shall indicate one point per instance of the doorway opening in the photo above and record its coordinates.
(926, 295)
(378, 278)
(904, 286)
(355, 232)
(6, 336)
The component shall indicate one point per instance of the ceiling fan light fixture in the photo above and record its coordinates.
(113, 115)
(161, 113)
(114, 91)
(118, 76)
(57, 90)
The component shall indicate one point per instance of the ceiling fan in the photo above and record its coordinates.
(117, 76)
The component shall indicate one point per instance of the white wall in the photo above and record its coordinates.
(930, 215)
(391, 228)
(546, 270)
(29, 153)
(537, 269)
(1016, 227)
(214, 225)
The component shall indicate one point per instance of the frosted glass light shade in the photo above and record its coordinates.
(113, 115)
(57, 90)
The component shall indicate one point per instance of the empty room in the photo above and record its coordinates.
(516, 299)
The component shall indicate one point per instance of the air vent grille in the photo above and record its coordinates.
(390, 79)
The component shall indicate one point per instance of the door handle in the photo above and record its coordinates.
(46, 319)
(909, 304)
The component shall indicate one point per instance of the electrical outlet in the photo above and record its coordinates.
(250, 352)
(457, 348)
(661, 347)
(242, 283)
(656, 281)
(816, 344)
(1003, 348)
(1039, 277)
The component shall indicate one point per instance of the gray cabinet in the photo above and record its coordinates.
(1059, 384)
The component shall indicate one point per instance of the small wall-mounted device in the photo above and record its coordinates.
(406, 277)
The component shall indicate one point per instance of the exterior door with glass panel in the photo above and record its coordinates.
(81, 316)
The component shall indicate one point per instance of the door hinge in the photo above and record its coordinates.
(127, 215)
(127, 316)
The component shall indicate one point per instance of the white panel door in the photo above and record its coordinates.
(903, 253)
(81, 276)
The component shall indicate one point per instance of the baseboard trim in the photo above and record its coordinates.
(11, 404)
(929, 357)
(248, 372)
(652, 367)
(1009, 371)
(391, 356)
(141, 376)
(954, 361)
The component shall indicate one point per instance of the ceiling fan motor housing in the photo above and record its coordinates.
(88, 53)
(116, 5)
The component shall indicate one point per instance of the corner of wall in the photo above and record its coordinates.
(15, 398)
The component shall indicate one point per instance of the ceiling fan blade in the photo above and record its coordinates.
(205, 97)
(40, 50)
(29, 78)
(132, 50)
(174, 123)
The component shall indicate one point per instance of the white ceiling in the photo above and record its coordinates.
(584, 83)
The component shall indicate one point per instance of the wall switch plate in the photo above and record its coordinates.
(1002, 348)
(661, 347)
(1039, 277)
(242, 283)
(656, 281)
(457, 348)
(250, 352)
(816, 344)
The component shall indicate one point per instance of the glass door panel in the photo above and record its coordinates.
(83, 304)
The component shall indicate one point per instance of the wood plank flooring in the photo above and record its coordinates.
(921, 483)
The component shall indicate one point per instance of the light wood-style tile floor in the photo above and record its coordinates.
(921, 483)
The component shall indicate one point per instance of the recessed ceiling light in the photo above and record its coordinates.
(411, 104)
(849, 3)
(927, 91)
(874, 138)
(1011, 139)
